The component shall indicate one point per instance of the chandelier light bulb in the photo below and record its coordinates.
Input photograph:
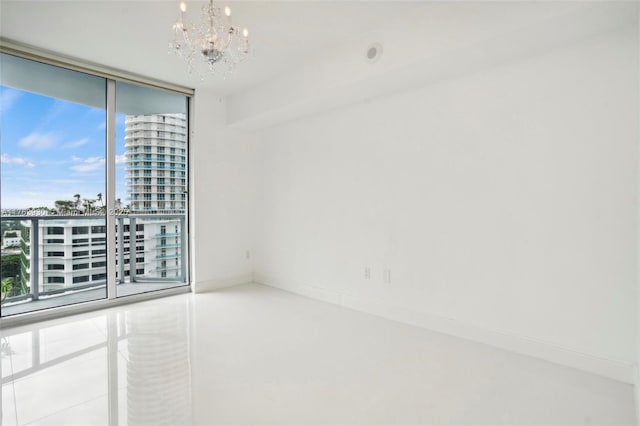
(227, 10)
(183, 7)
(245, 32)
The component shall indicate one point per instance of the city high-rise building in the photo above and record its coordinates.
(156, 162)
(156, 174)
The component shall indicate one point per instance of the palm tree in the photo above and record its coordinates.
(87, 204)
(77, 197)
(100, 198)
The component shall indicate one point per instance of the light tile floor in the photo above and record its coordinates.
(255, 355)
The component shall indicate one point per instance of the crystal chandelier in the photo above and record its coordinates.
(212, 44)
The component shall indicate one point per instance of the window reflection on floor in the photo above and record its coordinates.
(128, 367)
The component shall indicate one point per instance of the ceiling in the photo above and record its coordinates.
(309, 56)
(134, 35)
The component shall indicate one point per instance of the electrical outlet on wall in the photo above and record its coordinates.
(367, 273)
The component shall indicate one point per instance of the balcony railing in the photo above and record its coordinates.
(34, 257)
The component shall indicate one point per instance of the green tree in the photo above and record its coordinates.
(6, 287)
(65, 206)
(10, 265)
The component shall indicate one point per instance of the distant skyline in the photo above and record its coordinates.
(52, 149)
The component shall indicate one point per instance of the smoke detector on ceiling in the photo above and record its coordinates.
(373, 52)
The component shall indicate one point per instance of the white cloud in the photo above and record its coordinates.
(75, 144)
(8, 97)
(7, 159)
(39, 141)
(121, 159)
(87, 165)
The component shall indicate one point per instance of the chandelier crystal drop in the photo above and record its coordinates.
(212, 45)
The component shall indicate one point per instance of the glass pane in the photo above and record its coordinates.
(151, 186)
(52, 181)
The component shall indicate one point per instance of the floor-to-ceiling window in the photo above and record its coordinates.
(151, 147)
(93, 186)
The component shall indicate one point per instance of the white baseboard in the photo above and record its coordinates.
(610, 368)
(218, 283)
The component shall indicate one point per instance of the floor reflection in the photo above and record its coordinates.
(117, 367)
(158, 372)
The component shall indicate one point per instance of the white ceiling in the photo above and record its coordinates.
(309, 56)
(134, 35)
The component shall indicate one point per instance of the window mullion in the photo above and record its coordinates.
(111, 189)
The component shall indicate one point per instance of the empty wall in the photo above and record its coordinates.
(498, 206)
(221, 197)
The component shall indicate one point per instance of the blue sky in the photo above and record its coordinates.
(52, 149)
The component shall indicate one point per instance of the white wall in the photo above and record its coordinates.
(221, 199)
(502, 202)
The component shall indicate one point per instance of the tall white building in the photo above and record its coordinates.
(156, 162)
(156, 174)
